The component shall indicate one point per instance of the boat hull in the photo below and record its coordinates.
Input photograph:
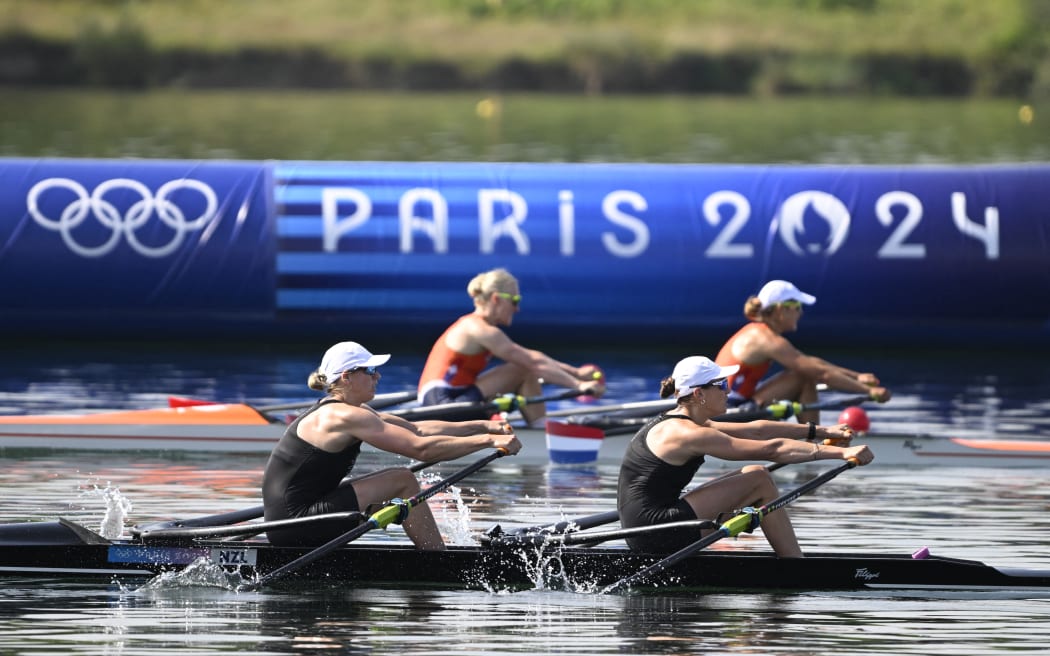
(219, 438)
(50, 549)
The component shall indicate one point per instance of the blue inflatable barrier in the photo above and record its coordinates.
(918, 253)
(611, 253)
(116, 245)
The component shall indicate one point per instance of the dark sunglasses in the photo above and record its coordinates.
(721, 383)
(371, 371)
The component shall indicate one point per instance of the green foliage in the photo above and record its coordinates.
(543, 9)
(836, 5)
(591, 46)
(119, 57)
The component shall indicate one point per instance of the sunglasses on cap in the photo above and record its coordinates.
(513, 298)
(795, 305)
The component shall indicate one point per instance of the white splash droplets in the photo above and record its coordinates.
(118, 507)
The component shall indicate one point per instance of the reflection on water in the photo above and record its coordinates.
(77, 620)
(994, 516)
(191, 124)
(970, 513)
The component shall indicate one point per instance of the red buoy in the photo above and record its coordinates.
(855, 418)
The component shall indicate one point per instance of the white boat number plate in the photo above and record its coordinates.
(221, 556)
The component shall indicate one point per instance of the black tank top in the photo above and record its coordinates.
(298, 474)
(649, 488)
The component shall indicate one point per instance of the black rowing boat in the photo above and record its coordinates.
(64, 549)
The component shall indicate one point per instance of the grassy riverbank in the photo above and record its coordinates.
(933, 47)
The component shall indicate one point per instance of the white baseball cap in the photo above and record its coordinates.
(778, 291)
(347, 355)
(695, 371)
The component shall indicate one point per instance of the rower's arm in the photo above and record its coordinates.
(431, 427)
(818, 369)
(761, 429)
(395, 438)
(538, 363)
(764, 429)
(783, 450)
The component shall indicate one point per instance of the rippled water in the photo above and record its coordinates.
(997, 516)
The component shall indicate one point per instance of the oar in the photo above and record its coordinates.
(504, 403)
(746, 521)
(630, 409)
(614, 425)
(591, 539)
(393, 513)
(786, 409)
(248, 514)
(496, 537)
(244, 531)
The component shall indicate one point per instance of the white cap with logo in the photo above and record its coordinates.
(347, 355)
(778, 291)
(697, 370)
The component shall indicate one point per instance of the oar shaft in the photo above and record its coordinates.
(786, 409)
(495, 537)
(499, 404)
(604, 536)
(378, 401)
(458, 476)
(634, 408)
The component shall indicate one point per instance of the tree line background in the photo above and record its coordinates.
(954, 48)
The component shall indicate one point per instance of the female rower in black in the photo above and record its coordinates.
(320, 447)
(666, 453)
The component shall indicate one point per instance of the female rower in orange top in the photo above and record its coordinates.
(456, 367)
(774, 311)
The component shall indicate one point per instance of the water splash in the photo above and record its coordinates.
(118, 508)
(454, 516)
(451, 512)
(202, 572)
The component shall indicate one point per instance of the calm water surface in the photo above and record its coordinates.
(997, 516)
(365, 126)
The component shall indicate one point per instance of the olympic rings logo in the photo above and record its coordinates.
(128, 222)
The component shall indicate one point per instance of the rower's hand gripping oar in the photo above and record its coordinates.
(746, 521)
(395, 512)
